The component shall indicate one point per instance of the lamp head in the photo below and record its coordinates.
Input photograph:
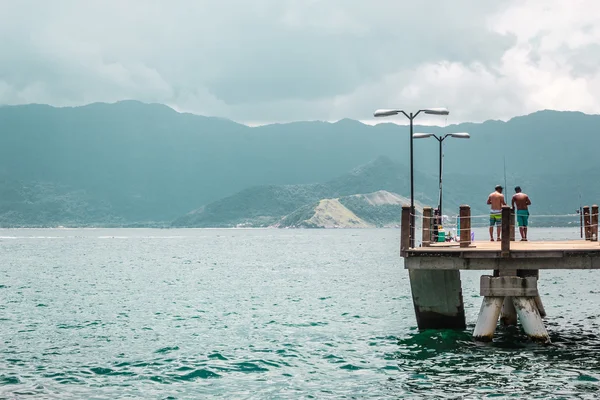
(436, 111)
(386, 113)
(460, 135)
(422, 135)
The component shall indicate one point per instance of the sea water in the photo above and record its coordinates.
(202, 313)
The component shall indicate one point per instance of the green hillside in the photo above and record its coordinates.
(265, 205)
(136, 163)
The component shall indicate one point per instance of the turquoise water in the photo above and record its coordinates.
(264, 314)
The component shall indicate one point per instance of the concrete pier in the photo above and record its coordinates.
(510, 295)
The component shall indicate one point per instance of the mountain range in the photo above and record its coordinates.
(137, 164)
(263, 206)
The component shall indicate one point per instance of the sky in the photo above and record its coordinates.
(265, 61)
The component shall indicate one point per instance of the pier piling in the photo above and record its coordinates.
(427, 214)
(488, 318)
(512, 225)
(505, 231)
(587, 223)
(465, 225)
(594, 224)
(522, 292)
(404, 231)
(437, 298)
(530, 319)
(508, 315)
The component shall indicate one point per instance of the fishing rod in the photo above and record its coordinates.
(580, 212)
(505, 188)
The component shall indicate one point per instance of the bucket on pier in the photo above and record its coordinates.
(441, 236)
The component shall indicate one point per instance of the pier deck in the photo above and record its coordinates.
(571, 254)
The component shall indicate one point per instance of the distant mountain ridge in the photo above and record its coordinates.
(131, 163)
(263, 206)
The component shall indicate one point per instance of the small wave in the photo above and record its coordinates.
(587, 378)
(67, 326)
(306, 324)
(217, 356)
(101, 371)
(250, 367)
(110, 371)
(334, 359)
(198, 374)
(9, 380)
(167, 349)
(350, 367)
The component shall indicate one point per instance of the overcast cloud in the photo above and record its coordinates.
(282, 60)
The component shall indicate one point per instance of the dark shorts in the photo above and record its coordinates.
(523, 217)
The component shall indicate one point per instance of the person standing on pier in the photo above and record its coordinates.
(521, 200)
(496, 201)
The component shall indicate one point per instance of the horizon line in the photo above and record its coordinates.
(372, 121)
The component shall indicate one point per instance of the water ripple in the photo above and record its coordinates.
(264, 314)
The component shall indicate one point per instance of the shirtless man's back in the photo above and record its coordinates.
(522, 203)
(496, 201)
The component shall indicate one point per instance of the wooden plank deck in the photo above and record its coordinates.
(571, 254)
(518, 246)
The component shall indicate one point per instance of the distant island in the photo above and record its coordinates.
(131, 164)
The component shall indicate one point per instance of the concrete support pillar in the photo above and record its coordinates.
(498, 292)
(488, 318)
(540, 306)
(530, 319)
(437, 298)
(508, 316)
(523, 273)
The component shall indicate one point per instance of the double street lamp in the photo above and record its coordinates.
(458, 135)
(411, 117)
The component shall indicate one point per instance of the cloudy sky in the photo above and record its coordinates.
(264, 61)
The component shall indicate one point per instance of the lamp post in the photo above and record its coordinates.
(411, 117)
(440, 139)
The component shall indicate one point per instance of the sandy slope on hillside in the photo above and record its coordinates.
(382, 197)
(330, 213)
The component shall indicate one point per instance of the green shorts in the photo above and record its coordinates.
(495, 218)
(523, 217)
